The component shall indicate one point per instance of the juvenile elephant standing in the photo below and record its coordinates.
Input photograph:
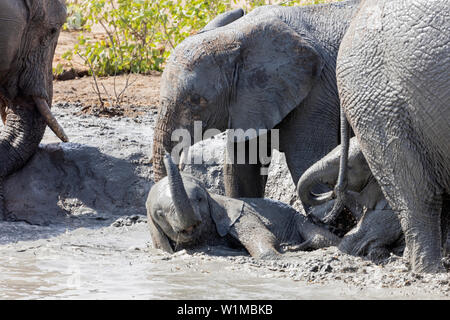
(362, 188)
(29, 31)
(378, 229)
(393, 70)
(272, 68)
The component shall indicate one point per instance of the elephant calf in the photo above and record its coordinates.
(378, 229)
(182, 214)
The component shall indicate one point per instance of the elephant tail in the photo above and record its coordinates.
(340, 189)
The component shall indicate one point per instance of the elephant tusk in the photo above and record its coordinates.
(3, 115)
(2, 110)
(50, 119)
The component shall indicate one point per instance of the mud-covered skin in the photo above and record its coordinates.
(272, 68)
(3, 211)
(362, 188)
(259, 225)
(377, 233)
(378, 228)
(392, 72)
(29, 31)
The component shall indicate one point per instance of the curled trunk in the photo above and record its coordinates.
(325, 171)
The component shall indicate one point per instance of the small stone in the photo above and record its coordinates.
(314, 268)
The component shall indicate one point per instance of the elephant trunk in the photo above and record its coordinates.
(183, 207)
(325, 171)
(23, 131)
(162, 142)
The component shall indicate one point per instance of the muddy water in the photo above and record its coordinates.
(118, 263)
(106, 264)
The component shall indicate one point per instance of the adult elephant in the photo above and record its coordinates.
(29, 31)
(272, 68)
(392, 71)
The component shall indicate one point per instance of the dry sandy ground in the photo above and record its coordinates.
(140, 90)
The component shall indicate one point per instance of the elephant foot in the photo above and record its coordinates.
(378, 254)
(446, 263)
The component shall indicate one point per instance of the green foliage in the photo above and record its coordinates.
(141, 33)
(75, 19)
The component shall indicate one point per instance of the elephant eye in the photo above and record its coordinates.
(53, 31)
(195, 99)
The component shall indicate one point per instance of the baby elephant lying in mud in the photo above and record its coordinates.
(182, 214)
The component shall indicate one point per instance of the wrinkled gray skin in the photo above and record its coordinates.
(378, 229)
(29, 31)
(392, 71)
(272, 68)
(377, 234)
(182, 214)
(364, 191)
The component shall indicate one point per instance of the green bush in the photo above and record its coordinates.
(141, 33)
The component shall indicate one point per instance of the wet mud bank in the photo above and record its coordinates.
(81, 233)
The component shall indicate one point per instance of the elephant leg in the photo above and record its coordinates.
(244, 180)
(259, 241)
(3, 215)
(315, 236)
(445, 223)
(423, 236)
(410, 188)
(307, 134)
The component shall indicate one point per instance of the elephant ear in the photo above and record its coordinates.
(276, 69)
(223, 19)
(225, 212)
(159, 239)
